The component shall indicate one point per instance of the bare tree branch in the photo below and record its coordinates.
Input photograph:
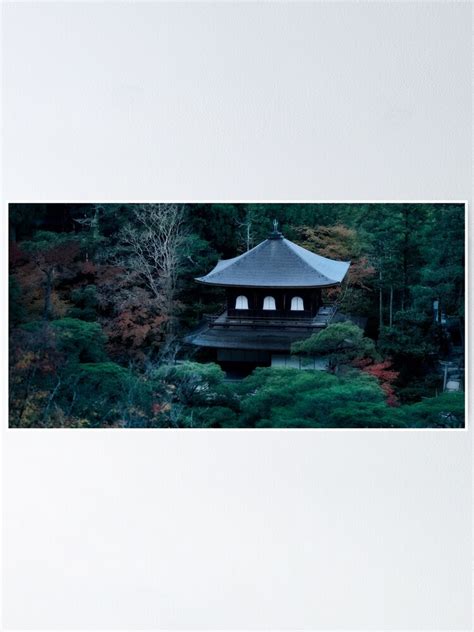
(156, 245)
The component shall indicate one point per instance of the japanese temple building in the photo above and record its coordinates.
(273, 298)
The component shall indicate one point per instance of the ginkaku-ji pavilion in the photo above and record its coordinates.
(273, 298)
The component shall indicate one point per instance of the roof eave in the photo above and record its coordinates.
(272, 286)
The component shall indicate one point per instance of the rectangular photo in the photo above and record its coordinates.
(237, 315)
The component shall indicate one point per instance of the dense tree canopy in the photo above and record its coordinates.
(340, 344)
(102, 294)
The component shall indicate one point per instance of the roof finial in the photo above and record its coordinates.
(275, 234)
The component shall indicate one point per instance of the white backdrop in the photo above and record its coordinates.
(236, 529)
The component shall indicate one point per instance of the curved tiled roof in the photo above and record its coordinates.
(277, 262)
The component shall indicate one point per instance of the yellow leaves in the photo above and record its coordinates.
(31, 409)
(59, 306)
(334, 242)
(26, 361)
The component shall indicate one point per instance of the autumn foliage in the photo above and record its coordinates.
(341, 243)
(385, 374)
(101, 297)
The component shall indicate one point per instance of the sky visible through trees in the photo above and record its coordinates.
(101, 296)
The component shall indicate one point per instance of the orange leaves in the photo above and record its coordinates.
(53, 280)
(129, 314)
(135, 327)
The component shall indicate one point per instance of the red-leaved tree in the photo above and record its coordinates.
(385, 374)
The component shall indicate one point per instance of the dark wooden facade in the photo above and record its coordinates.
(283, 298)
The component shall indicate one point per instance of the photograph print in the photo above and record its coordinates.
(237, 315)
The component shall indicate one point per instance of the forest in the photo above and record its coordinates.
(102, 295)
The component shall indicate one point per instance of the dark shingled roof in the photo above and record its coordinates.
(246, 338)
(261, 336)
(277, 262)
